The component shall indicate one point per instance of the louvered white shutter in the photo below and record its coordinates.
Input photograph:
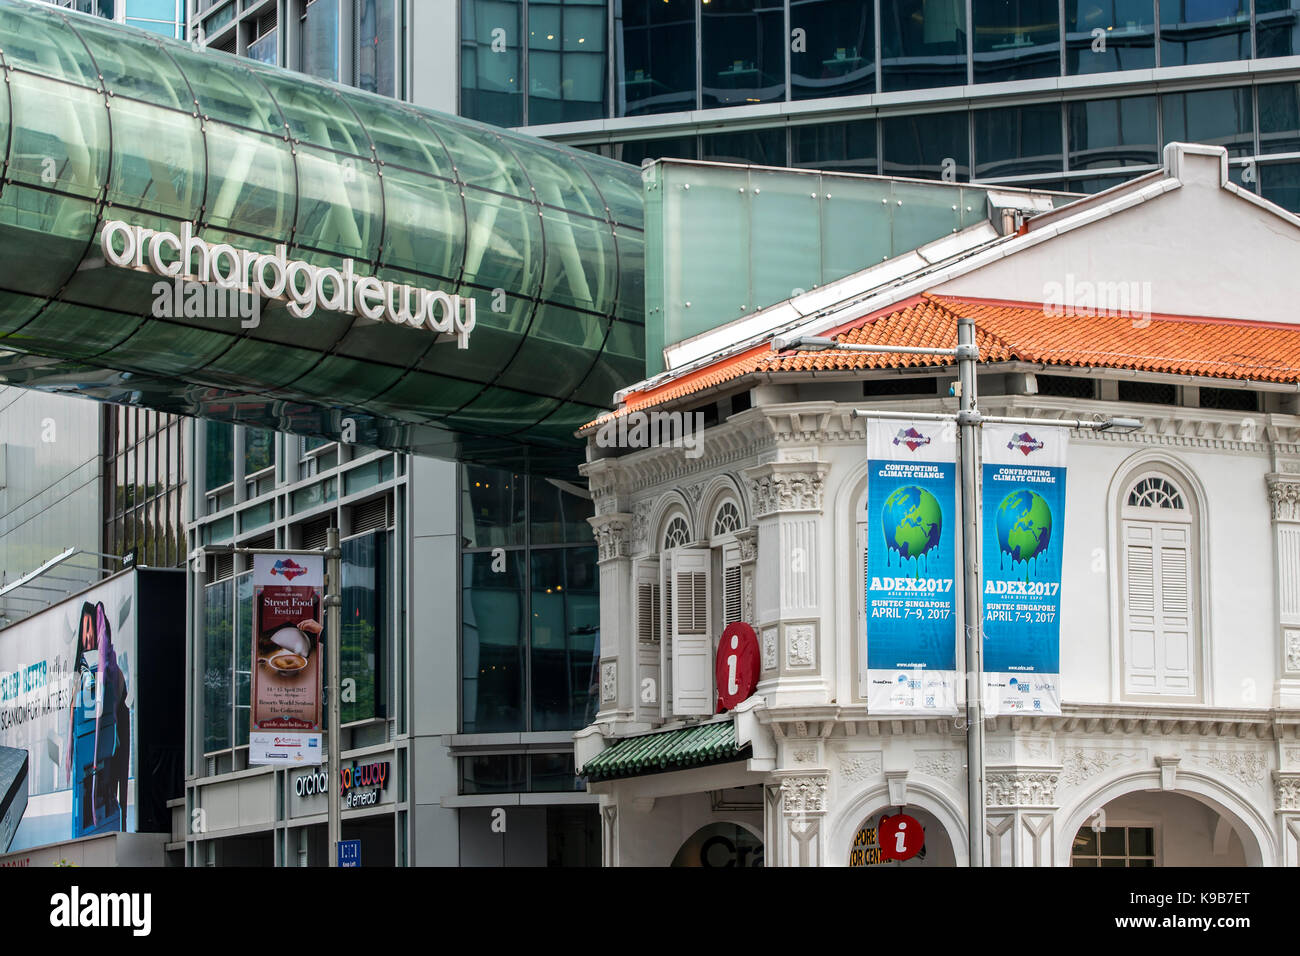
(1159, 639)
(649, 631)
(692, 640)
(732, 610)
(666, 632)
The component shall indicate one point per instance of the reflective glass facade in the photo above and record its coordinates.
(529, 606)
(547, 240)
(144, 486)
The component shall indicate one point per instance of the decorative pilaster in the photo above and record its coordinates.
(747, 540)
(1021, 813)
(1286, 803)
(1284, 505)
(786, 500)
(802, 804)
(618, 639)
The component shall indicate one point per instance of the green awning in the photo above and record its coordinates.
(667, 750)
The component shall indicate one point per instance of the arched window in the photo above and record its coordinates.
(726, 520)
(1161, 639)
(676, 535)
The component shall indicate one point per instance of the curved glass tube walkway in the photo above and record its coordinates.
(100, 122)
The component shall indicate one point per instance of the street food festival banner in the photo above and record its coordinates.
(911, 620)
(1024, 524)
(287, 629)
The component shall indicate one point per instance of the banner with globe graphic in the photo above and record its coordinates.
(1024, 524)
(910, 598)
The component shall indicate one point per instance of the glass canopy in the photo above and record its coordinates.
(100, 123)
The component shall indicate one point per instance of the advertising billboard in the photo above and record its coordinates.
(1024, 529)
(909, 602)
(72, 681)
(288, 607)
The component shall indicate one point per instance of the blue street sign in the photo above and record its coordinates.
(349, 853)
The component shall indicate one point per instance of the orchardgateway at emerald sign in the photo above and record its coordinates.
(301, 284)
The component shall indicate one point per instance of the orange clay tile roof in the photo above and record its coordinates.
(1023, 332)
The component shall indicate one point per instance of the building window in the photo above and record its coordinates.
(676, 535)
(833, 48)
(566, 61)
(1118, 132)
(726, 520)
(842, 147)
(1204, 31)
(923, 43)
(143, 486)
(928, 146)
(743, 55)
(365, 636)
(491, 84)
(1229, 399)
(1148, 393)
(1215, 117)
(377, 58)
(1114, 846)
(1015, 40)
(1159, 564)
(761, 147)
(654, 62)
(1277, 27)
(1018, 141)
(530, 605)
(319, 32)
(1106, 35)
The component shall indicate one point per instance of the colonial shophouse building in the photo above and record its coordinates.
(1180, 603)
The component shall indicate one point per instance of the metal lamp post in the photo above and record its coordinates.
(968, 420)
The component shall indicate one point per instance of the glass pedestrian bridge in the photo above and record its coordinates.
(380, 213)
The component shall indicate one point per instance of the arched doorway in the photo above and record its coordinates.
(1157, 828)
(721, 845)
(865, 847)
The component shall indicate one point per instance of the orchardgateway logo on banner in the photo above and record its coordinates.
(303, 285)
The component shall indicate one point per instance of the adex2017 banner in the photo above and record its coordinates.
(911, 621)
(1024, 524)
(286, 691)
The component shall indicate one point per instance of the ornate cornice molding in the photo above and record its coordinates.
(613, 535)
(785, 486)
(1020, 788)
(1284, 496)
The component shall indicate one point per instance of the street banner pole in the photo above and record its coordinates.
(334, 608)
(968, 422)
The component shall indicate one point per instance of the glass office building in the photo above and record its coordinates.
(1076, 95)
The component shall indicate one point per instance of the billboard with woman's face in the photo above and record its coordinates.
(68, 692)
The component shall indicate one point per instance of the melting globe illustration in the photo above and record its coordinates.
(912, 521)
(1024, 524)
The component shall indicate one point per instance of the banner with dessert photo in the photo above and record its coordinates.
(288, 603)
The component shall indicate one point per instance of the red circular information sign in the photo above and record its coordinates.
(736, 668)
(901, 837)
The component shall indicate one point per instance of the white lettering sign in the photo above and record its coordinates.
(273, 276)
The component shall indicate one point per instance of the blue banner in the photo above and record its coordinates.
(910, 600)
(1024, 525)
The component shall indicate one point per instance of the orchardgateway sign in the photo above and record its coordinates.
(273, 276)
